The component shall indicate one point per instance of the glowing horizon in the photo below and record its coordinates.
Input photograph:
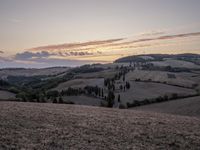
(66, 32)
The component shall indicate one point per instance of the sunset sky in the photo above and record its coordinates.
(46, 33)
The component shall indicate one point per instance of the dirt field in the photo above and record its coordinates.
(80, 83)
(55, 126)
(182, 79)
(142, 90)
(5, 95)
(187, 107)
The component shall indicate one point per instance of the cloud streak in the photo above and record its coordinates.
(71, 48)
(92, 51)
(75, 45)
(29, 55)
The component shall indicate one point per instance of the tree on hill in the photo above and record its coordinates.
(54, 100)
(123, 77)
(60, 100)
(128, 85)
(121, 87)
(102, 93)
(119, 98)
(110, 99)
(52, 94)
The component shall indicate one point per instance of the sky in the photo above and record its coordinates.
(47, 33)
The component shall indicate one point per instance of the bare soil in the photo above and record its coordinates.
(55, 126)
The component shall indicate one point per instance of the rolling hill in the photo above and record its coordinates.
(185, 107)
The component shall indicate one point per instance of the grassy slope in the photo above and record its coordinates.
(187, 106)
(4, 95)
(51, 126)
(141, 90)
(182, 79)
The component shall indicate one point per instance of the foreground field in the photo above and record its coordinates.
(49, 126)
(187, 107)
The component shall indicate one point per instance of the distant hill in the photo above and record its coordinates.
(158, 57)
(4, 73)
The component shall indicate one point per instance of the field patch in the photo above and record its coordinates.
(187, 107)
(147, 90)
(80, 83)
(176, 64)
(181, 79)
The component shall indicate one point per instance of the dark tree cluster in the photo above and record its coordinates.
(128, 85)
(110, 84)
(4, 83)
(159, 99)
(86, 69)
(110, 98)
(72, 92)
(34, 96)
(95, 91)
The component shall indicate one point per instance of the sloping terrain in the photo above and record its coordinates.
(80, 83)
(101, 74)
(177, 64)
(4, 73)
(5, 95)
(187, 107)
(182, 79)
(54, 126)
(147, 90)
(83, 100)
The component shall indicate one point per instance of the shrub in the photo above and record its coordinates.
(60, 100)
(68, 102)
(54, 100)
(110, 98)
(174, 96)
(121, 106)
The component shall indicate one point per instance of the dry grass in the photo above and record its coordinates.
(176, 63)
(32, 72)
(80, 83)
(187, 107)
(147, 90)
(51, 126)
(182, 79)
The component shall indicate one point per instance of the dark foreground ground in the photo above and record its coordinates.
(54, 126)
